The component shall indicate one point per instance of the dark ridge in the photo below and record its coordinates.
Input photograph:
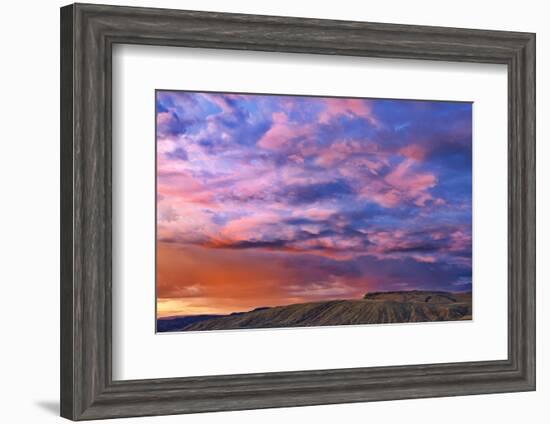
(176, 323)
(420, 296)
(375, 308)
(261, 308)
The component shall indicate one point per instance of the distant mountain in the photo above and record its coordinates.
(374, 308)
(177, 323)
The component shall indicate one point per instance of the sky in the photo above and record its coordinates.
(266, 200)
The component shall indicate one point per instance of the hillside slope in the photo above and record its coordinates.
(175, 323)
(375, 308)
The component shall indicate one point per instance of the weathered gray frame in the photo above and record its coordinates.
(88, 33)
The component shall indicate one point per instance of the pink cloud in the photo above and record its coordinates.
(163, 118)
(379, 191)
(413, 151)
(428, 259)
(220, 101)
(339, 151)
(397, 244)
(229, 192)
(183, 186)
(410, 185)
(460, 240)
(248, 227)
(349, 107)
(317, 213)
(283, 132)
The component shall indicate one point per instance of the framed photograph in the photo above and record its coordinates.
(263, 212)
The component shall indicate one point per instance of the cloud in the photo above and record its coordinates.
(282, 133)
(177, 154)
(425, 259)
(335, 107)
(301, 190)
(413, 151)
(312, 193)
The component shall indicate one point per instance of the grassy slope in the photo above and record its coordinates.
(376, 308)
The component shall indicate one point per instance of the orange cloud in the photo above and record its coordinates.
(413, 151)
(194, 280)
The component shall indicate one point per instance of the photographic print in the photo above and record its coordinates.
(281, 211)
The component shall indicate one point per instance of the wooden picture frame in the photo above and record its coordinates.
(88, 33)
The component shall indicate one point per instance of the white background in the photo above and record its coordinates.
(138, 70)
(30, 210)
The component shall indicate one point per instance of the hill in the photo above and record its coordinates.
(420, 296)
(176, 323)
(374, 308)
